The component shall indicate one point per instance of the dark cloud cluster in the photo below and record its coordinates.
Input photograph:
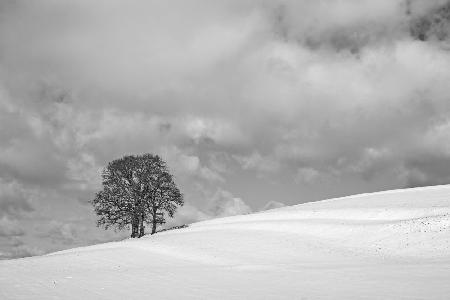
(248, 101)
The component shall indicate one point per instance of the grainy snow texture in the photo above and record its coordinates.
(387, 245)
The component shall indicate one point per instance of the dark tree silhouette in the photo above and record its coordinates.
(137, 189)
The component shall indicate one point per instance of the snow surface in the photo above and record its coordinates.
(387, 245)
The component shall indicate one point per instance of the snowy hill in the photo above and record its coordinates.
(386, 245)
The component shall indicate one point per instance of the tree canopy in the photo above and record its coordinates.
(137, 189)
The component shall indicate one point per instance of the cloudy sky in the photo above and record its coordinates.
(251, 103)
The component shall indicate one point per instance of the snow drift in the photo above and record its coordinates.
(386, 245)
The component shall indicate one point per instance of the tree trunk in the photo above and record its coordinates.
(154, 222)
(141, 226)
(134, 228)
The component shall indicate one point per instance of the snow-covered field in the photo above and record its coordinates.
(387, 245)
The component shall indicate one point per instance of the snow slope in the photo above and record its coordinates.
(387, 245)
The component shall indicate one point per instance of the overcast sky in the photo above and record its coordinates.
(248, 101)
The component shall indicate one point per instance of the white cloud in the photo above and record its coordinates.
(257, 162)
(20, 251)
(307, 175)
(223, 204)
(186, 214)
(189, 166)
(222, 132)
(10, 227)
(15, 200)
(272, 205)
